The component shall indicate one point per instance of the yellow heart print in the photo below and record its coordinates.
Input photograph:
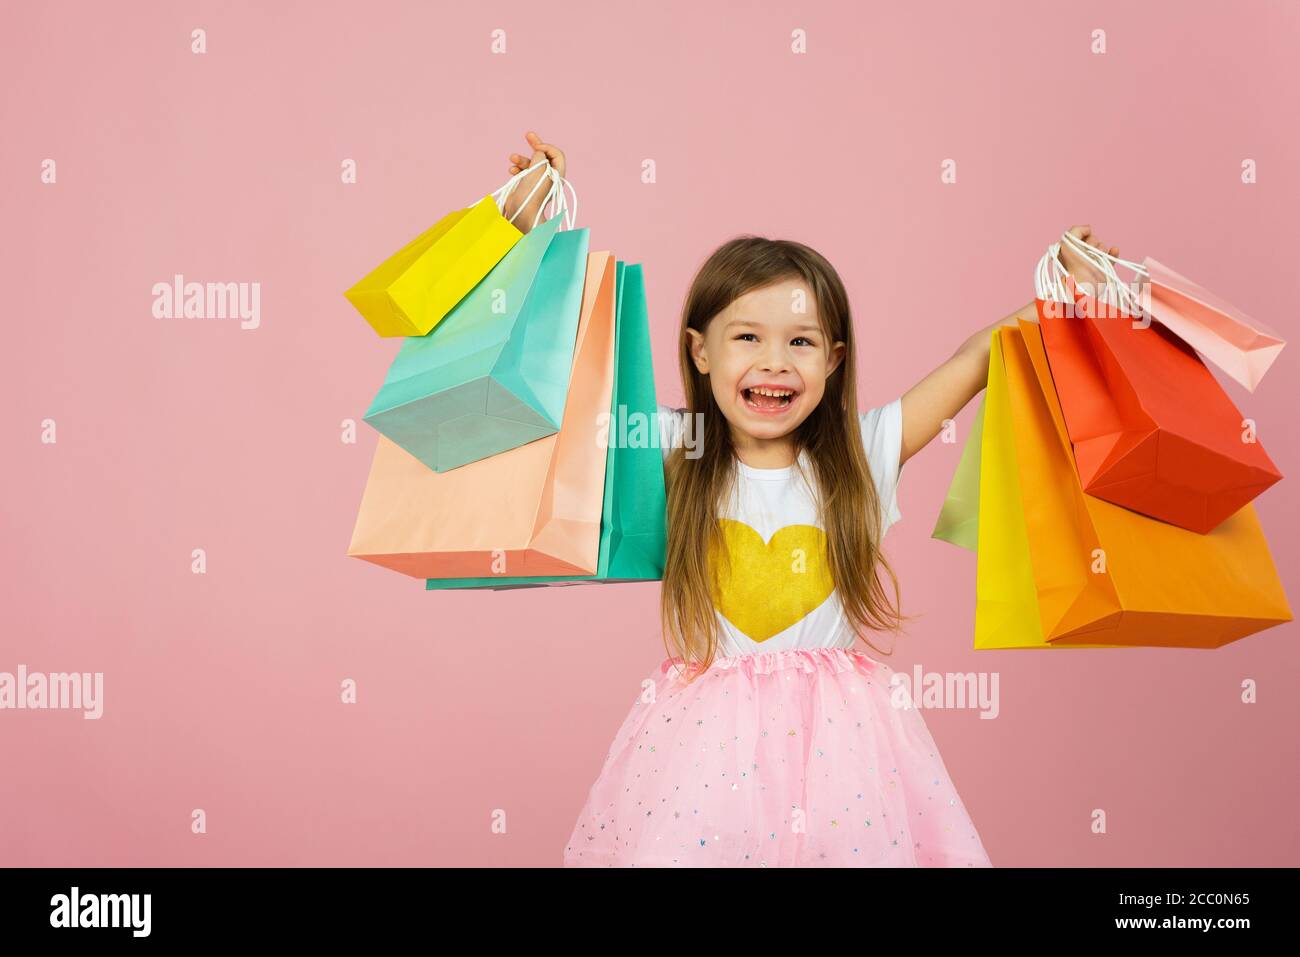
(771, 585)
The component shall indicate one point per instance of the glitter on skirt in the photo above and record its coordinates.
(793, 758)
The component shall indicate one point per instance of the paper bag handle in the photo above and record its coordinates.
(555, 195)
(1103, 260)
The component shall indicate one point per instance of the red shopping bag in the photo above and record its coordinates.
(1152, 429)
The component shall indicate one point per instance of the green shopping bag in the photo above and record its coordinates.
(494, 374)
(633, 533)
(959, 519)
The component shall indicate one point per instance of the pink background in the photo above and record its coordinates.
(222, 690)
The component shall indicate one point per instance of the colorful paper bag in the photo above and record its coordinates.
(495, 373)
(1007, 610)
(958, 520)
(1152, 429)
(1242, 347)
(633, 538)
(536, 508)
(1104, 573)
(412, 290)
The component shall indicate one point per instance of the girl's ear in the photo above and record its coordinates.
(837, 356)
(698, 355)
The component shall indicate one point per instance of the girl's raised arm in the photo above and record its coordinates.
(945, 391)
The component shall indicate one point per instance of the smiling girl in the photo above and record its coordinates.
(767, 737)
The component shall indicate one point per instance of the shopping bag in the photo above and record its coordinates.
(1104, 573)
(495, 373)
(1152, 429)
(412, 290)
(1007, 610)
(535, 509)
(633, 537)
(958, 520)
(1242, 347)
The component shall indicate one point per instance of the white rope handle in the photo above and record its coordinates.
(555, 195)
(1098, 253)
(1115, 292)
(1050, 274)
(1049, 284)
(562, 204)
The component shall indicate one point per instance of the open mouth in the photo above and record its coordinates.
(764, 399)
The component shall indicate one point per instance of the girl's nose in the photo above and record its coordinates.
(775, 361)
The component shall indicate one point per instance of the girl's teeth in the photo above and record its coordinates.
(783, 399)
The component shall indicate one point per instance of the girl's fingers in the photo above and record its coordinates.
(551, 154)
(542, 152)
(524, 162)
(1084, 233)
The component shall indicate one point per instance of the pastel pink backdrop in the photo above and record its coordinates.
(222, 691)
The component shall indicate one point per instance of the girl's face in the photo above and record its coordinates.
(767, 359)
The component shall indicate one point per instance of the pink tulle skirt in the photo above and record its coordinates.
(780, 759)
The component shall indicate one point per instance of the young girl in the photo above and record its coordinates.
(767, 738)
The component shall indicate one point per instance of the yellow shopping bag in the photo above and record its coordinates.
(410, 291)
(1007, 609)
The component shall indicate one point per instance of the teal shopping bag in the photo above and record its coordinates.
(633, 534)
(494, 374)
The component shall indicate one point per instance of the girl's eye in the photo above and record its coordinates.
(796, 339)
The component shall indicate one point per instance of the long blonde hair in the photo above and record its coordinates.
(848, 502)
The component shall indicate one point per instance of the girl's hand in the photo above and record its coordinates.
(1078, 266)
(542, 153)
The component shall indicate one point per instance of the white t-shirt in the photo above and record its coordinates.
(779, 594)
